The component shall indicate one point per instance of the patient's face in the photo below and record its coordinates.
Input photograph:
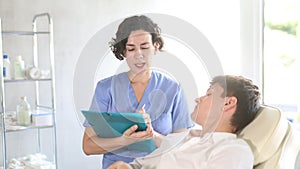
(204, 104)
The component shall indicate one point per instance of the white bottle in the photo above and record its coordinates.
(6, 68)
(23, 112)
(19, 68)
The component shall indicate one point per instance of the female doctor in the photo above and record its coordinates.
(137, 40)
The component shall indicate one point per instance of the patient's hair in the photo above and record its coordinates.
(134, 23)
(248, 98)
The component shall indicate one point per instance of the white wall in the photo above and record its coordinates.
(77, 21)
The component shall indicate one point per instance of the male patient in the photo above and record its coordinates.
(230, 103)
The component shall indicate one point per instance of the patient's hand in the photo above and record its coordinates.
(119, 165)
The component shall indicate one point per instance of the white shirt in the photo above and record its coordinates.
(218, 150)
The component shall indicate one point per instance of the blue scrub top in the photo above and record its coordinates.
(164, 102)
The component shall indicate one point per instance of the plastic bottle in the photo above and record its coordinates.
(6, 67)
(19, 67)
(23, 112)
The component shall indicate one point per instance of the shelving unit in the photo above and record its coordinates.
(38, 96)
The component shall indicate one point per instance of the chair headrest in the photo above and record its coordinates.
(265, 133)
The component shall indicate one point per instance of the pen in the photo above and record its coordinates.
(142, 109)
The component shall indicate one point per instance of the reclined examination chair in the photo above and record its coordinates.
(274, 142)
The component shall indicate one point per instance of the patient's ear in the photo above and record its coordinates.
(156, 46)
(230, 103)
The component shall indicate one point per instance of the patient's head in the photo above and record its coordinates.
(234, 100)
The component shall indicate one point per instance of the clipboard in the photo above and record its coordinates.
(113, 124)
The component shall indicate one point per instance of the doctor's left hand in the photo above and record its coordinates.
(132, 136)
(145, 115)
(157, 137)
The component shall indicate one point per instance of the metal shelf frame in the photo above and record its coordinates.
(35, 35)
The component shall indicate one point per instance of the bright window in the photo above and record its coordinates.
(282, 56)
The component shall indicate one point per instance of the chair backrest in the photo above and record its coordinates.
(273, 140)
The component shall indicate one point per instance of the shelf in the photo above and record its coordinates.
(23, 33)
(24, 128)
(26, 80)
(43, 113)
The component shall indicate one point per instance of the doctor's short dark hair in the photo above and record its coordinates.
(248, 98)
(134, 23)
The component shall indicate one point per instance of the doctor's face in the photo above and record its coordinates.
(139, 51)
(204, 104)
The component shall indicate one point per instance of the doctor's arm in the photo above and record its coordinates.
(92, 144)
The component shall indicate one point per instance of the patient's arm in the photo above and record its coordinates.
(158, 138)
(236, 156)
(119, 165)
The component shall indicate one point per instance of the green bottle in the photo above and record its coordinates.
(24, 112)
